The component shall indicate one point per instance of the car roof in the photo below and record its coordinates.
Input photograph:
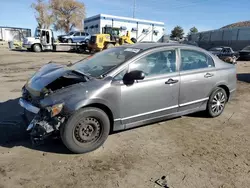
(221, 47)
(150, 45)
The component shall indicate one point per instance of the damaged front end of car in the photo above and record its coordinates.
(44, 96)
(45, 124)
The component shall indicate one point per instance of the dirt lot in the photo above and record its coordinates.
(191, 151)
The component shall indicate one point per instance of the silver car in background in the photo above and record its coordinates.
(125, 87)
(76, 36)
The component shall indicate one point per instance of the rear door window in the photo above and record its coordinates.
(192, 60)
(77, 34)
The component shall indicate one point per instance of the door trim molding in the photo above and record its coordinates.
(193, 102)
(162, 109)
(147, 113)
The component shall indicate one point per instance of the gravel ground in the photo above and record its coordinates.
(191, 151)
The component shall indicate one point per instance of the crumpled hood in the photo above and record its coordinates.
(46, 75)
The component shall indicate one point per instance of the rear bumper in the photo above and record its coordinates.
(28, 106)
(232, 94)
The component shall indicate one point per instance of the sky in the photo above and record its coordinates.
(203, 14)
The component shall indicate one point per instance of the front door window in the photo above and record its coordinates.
(158, 63)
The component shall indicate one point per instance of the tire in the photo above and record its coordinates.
(37, 48)
(110, 45)
(214, 108)
(133, 40)
(69, 41)
(87, 41)
(80, 137)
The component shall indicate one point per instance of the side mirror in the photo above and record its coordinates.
(130, 77)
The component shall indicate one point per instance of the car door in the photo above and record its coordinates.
(197, 78)
(76, 37)
(82, 37)
(154, 96)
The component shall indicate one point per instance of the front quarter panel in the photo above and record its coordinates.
(87, 94)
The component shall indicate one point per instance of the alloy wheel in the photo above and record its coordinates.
(218, 103)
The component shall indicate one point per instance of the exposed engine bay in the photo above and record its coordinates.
(65, 81)
(47, 120)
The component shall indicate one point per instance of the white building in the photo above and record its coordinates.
(13, 33)
(142, 30)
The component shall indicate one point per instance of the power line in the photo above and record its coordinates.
(179, 5)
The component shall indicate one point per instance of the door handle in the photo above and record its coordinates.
(208, 75)
(171, 81)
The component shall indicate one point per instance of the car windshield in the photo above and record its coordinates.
(246, 48)
(105, 61)
(37, 33)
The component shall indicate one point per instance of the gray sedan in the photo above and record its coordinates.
(124, 87)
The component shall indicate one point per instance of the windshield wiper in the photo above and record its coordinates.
(81, 73)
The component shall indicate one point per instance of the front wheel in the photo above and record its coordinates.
(86, 130)
(217, 102)
(37, 48)
(69, 41)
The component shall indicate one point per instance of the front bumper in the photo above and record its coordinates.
(27, 45)
(28, 106)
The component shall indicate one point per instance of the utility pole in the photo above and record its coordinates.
(134, 8)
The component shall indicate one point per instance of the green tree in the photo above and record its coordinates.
(193, 30)
(177, 32)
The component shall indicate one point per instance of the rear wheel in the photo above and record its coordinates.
(217, 102)
(86, 130)
(37, 48)
(87, 41)
(110, 45)
(133, 40)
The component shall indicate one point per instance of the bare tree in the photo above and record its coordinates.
(43, 14)
(68, 14)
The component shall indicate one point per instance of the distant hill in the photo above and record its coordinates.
(238, 24)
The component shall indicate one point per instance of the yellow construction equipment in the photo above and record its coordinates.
(100, 42)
